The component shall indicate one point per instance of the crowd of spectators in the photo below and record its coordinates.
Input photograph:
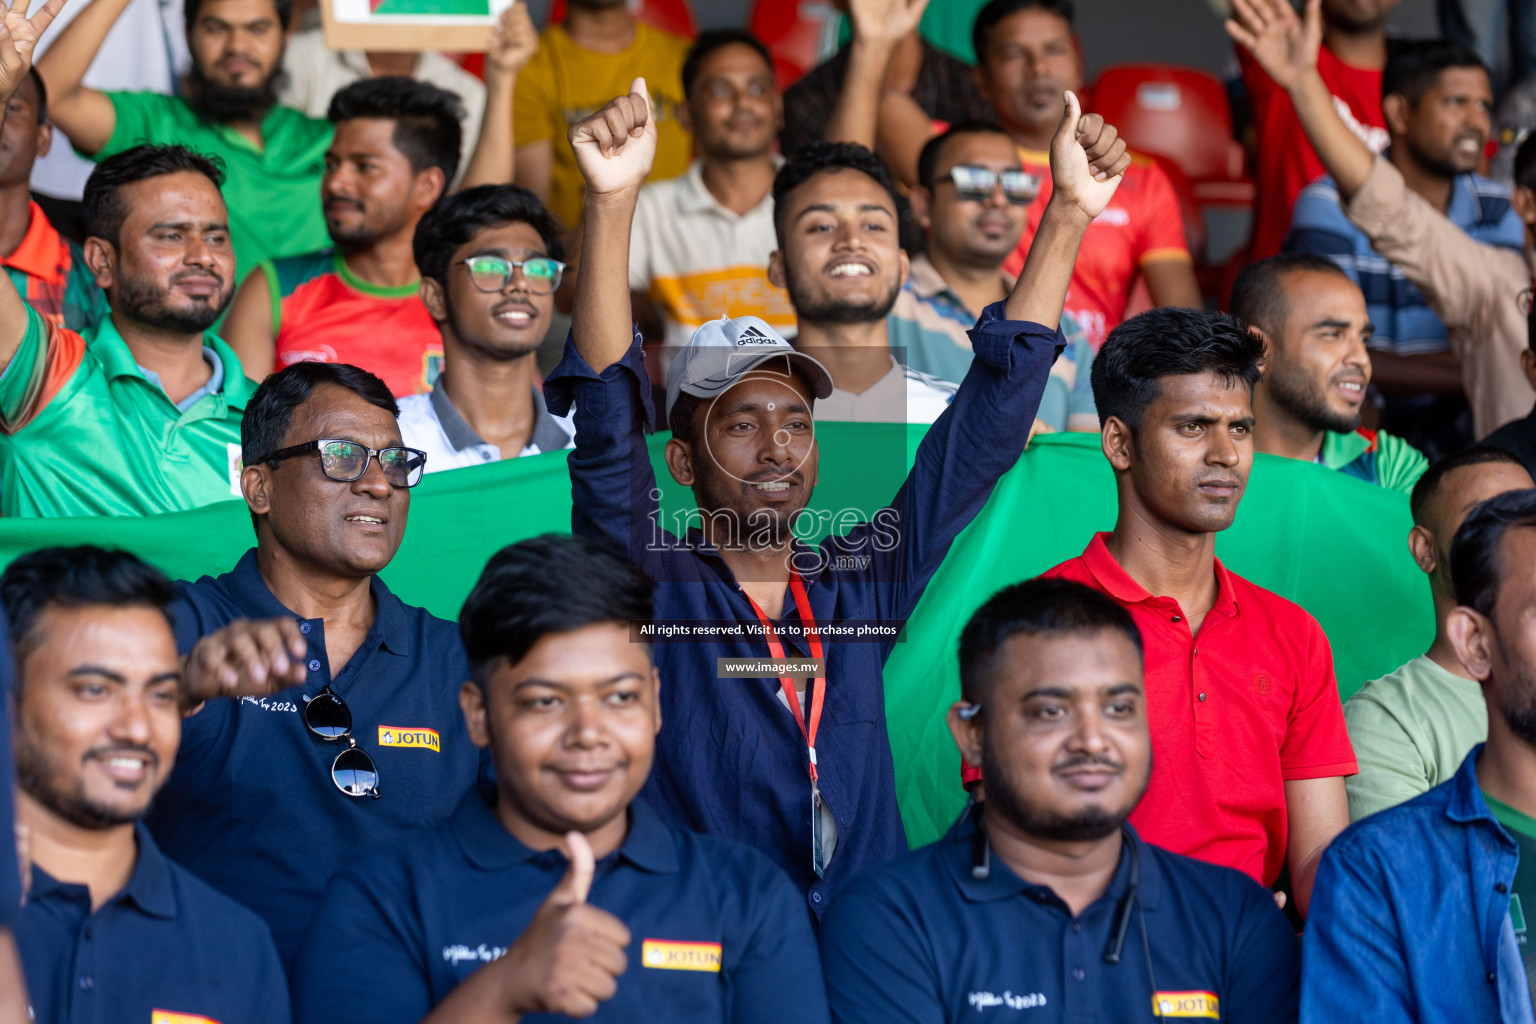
(303, 278)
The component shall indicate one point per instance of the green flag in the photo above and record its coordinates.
(1333, 544)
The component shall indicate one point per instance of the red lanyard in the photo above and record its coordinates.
(776, 648)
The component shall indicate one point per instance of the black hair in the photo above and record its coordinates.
(1258, 294)
(988, 17)
(428, 120)
(455, 219)
(554, 583)
(191, 8)
(1169, 342)
(819, 156)
(1476, 568)
(73, 577)
(1428, 486)
(270, 410)
(42, 94)
(1041, 605)
(1414, 66)
(928, 159)
(103, 212)
(680, 420)
(719, 39)
(1525, 163)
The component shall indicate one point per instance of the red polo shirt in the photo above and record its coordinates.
(1235, 712)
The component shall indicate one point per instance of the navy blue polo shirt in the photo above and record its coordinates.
(737, 767)
(10, 872)
(250, 806)
(718, 934)
(921, 940)
(166, 945)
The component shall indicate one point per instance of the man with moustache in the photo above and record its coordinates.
(973, 209)
(1247, 735)
(394, 151)
(1412, 728)
(273, 155)
(489, 259)
(348, 733)
(700, 245)
(112, 929)
(1421, 910)
(798, 766)
(1316, 329)
(141, 414)
(563, 894)
(1044, 899)
(1437, 102)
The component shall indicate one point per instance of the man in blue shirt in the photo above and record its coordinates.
(351, 733)
(1044, 898)
(817, 794)
(1420, 912)
(564, 894)
(112, 930)
(1436, 99)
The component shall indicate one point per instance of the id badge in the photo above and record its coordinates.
(818, 860)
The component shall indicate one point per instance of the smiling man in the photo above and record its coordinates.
(111, 929)
(352, 734)
(563, 894)
(1316, 330)
(1248, 736)
(1039, 898)
(755, 759)
(395, 150)
(164, 394)
(490, 263)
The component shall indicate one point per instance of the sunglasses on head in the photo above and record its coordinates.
(346, 461)
(327, 716)
(976, 184)
(494, 273)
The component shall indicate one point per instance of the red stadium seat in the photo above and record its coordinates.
(674, 16)
(1181, 116)
(793, 31)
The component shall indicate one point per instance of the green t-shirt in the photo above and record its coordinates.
(1411, 729)
(273, 193)
(83, 431)
(1522, 900)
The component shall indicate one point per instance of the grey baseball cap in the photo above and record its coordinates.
(722, 351)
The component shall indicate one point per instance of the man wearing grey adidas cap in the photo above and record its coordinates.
(805, 774)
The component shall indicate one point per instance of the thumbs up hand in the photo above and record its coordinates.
(569, 958)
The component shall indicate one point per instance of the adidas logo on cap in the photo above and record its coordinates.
(753, 336)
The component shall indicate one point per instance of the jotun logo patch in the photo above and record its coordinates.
(1186, 1004)
(681, 956)
(404, 736)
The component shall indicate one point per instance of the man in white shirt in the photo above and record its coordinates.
(700, 242)
(489, 259)
(841, 261)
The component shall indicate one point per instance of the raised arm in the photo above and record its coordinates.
(879, 26)
(84, 114)
(18, 38)
(250, 328)
(1088, 160)
(1286, 46)
(513, 43)
(615, 148)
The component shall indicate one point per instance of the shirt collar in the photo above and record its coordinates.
(548, 435)
(1118, 584)
(117, 360)
(1466, 801)
(693, 196)
(150, 887)
(42, 253)
(488, 844)
(255, 598)
(215, 380)
(927, 283)
(1342, 448)
(1001, 883)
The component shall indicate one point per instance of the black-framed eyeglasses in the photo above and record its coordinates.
(346, 461)
(494, 273)
(976, 183)
(327, 716)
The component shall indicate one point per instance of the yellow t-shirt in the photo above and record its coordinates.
(565, 83)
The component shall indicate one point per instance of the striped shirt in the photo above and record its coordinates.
(1405, 324)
